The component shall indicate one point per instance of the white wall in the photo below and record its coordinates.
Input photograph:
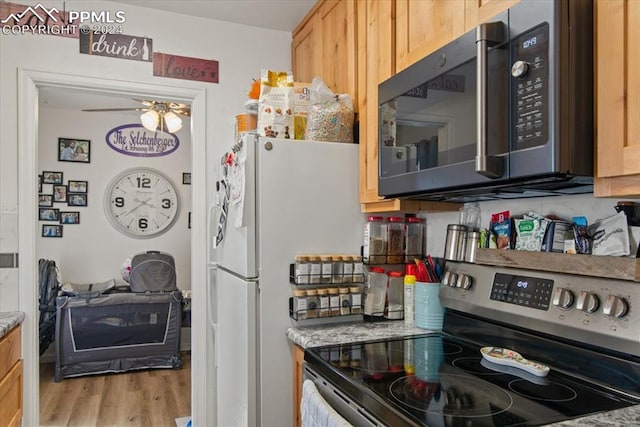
(93, 250)
(241, 51)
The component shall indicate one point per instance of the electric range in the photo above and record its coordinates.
(584, 328)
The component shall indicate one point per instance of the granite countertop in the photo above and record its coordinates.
(307, 337)
(9, 320)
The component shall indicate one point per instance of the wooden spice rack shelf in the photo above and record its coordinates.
(620, 268)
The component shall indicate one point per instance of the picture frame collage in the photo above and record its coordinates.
(52, 190)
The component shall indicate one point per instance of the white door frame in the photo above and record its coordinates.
(29, 81)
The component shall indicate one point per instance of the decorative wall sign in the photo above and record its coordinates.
(117, 46)
(135, 140)
(185, 68)
(19, 19)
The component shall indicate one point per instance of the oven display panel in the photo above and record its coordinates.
(521, 290)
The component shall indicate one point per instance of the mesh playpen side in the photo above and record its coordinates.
(117, 332)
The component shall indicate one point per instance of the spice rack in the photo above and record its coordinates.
(343, 301)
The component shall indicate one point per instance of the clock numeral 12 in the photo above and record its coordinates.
(143, 182)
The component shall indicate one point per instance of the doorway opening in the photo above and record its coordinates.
(30, 84)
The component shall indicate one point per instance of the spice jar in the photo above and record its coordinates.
(413, 240)
(347, 269)
(299, 304)
(301, 270)
(315, 269)
(334, 302)
(326, 263)
(356, 299)
(313, 304)
(358, 270)
(336, 269)
(395, 240)
(323, 297)
(345, 301)
(375, 240)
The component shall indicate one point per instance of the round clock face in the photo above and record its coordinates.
(141, 202)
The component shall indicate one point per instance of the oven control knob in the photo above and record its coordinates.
(615, 306)
(450, 279)
(563, 298)
(464, 281)
(519, 69)
(588, 302)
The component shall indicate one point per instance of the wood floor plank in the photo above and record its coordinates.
(151, 398)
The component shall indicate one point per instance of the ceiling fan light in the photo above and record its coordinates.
(150, 120)
(174, 123)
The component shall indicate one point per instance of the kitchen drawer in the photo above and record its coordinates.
(11, 397)
(10, 350)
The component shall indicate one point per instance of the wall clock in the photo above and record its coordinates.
(141, 202)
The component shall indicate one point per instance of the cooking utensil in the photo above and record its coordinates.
(503, 356)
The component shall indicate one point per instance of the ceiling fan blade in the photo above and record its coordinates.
(145, 102)
(186, 113)
(177, 106)
(114, 109)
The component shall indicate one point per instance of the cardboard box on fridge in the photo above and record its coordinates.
(302, 100)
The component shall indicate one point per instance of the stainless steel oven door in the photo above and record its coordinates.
(434, 115)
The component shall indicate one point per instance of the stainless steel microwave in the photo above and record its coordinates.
(504, 111)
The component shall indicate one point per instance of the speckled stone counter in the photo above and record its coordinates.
(10, 320)
(308, 337)
(315, 336)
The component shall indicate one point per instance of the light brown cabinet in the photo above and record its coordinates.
(11, 379)
(324, 45)
(479, 11)
(617, 45)
(298, 361)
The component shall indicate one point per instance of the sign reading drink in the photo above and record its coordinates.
(116, 46)
(135, 140)
(185, 68)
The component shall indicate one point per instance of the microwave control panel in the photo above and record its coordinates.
(530, 72)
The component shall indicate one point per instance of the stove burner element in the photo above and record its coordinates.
(454, 396)
(473, 365)
(551, 392)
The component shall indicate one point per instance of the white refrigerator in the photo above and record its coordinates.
(299, 197)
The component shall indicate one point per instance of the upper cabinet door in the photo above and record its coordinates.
(423, 26)
(338, 28)
(479, 11)
(618, 98)
(324, 45)
(306, 49)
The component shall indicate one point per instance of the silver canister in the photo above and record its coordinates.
(473, 240)
(455, 243)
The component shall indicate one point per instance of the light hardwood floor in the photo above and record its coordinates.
(151, 398)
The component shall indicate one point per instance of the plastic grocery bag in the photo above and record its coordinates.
(330, 116)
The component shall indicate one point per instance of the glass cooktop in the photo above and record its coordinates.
(440, 381)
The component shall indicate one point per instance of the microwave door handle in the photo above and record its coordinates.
(487, 35)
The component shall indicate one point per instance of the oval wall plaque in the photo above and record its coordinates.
(135, 140)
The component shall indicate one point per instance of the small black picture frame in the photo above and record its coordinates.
(50, 230)
(78, 186)
(39, 183)
(51, 177)
(45, 200)
(77, 199)
(59, 193)
(48, 214)
(186, 178)
(74, 150)
(189, 221)
(70, 217)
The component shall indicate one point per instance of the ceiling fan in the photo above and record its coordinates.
(156, 114)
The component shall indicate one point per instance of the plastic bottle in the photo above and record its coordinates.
(395, 291)
(409, 292)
